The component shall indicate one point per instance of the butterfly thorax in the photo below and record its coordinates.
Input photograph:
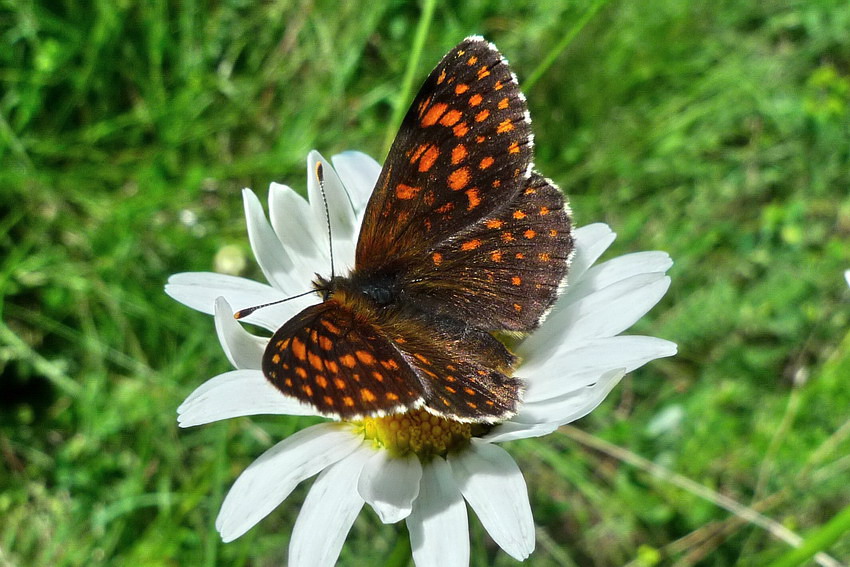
(361, 291)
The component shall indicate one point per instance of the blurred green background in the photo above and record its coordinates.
(716, 131)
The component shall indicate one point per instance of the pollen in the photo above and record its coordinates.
(417, 432)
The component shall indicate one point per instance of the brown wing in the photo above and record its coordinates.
(328, 357)
(503, 272)
(463, 149)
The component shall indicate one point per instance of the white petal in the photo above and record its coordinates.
(571, 407)
(591, 241)
(511, 431)
(390, 485)
(439, 529)
(847, 276)
(272, 477)
(304, 240)
(576, 365)
(359, 172)
(327, 514)
(603, 313)
(269, 252)
(618, 269)
(493, 485)
(236, 394)
(243, 350)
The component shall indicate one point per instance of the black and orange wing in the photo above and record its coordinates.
(345, 367)
(504, 271)
(463, 149)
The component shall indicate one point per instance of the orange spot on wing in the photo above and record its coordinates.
(529, 234)
(406, 192)
(330, 327)
(486, 162)
(315, 361)
(482, 116)
(461, 88)
(391, 397)
(329, 400)
(475, 99)
(507, 237)
(516, 280)
(348, 360)
(544, 211)
(421, 358)
(553, 233)
(307, 390)
(459, 178)
(325, 343)
(530, 191)
(349, 401)
(339, 383)
(365, 357)
(504, 126)
(377, 376)
(474, 198)
(544, 257)
(433, 114)
(437, 258)
(301, 372)
(519, 256)
(519, 215)
(482, 72)
(322, 381)
(493, 223)
(459, 154)
(390, 364)
(442, 77)
(498, 86)
(299, 349)
(428, 158)
(517, 307)
(450, 118)
(367, 395)
(461, 130)
(443, 209)
(513, 148)
(276, 358)
(503, 104)
(496, 256)
(472, 60)
(332, 366)
(470, 244)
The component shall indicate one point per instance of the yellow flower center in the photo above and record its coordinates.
(416, 431)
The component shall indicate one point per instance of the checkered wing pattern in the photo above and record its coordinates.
(328, 357)
(463, 149)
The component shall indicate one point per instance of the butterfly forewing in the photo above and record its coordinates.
(328, 357)
(463, 149)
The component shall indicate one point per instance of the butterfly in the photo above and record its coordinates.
(461, 239)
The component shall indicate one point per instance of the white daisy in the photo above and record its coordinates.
(414, 467)
(847, 276)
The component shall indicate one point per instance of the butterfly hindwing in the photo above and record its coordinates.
(504, 271)
(463, 149)
(328, 357)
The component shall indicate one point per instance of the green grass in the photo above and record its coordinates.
(715, 131)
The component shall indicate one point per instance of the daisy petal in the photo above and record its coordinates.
(269, 252)
(439, 532)
(236, 394)
(575, 366)
(327, 514)
(847, 276)
(390, 485)
(590, 242)
(339, 210)
(511, 431)
(603, 313)
(360, 174)
(292, 221)
(619, 269)
(482, 472)
(272, 477)
(573, 406)
(243, 350)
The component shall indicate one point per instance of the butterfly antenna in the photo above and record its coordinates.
(321, 176)
(242, 313)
